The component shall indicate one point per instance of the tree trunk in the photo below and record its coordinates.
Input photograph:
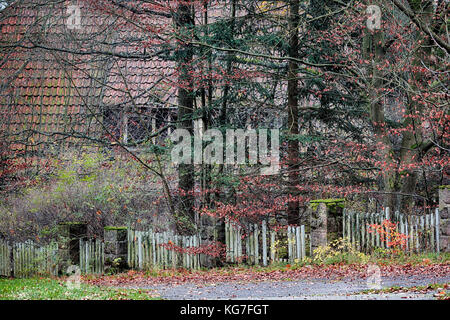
(184, 23)
(373, 44)
(399, 187)
(293, 150)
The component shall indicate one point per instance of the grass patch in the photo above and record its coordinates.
(384, 258)
(57, 289)
(441, 288)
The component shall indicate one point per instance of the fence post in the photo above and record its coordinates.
(102, 248)
(256, 244)
(302, 230)
(152, 235)
(351, 225)
(264, 242)
(231, 241)
(297, 242)
(87, 257)
(240, 243)
(227, 240)
(272, 246)
(237, 232)
(188, 256)
(437, 230)
(343, 223)
(129, 247)
(432, 228)
(363, 231)
(408, 233)
(402, 226)
(247, 245)
(416, 223)
(358, 232)
(425, 226)
(139, 238)
(387, 217)
(348, 221)
(11, 259)
(289, 243)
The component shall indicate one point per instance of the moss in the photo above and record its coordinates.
(444, 187)
(71, 223)
(115, 228)
(331, 203)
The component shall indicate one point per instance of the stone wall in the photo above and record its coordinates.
(444, 212)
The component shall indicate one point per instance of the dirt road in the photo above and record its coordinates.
(304, 289)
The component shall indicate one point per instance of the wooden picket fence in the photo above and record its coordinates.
(5, 263)
(422, 230)
(29, 259)
(251, 243)
(259, 245)
(149, 249)
(92, 256)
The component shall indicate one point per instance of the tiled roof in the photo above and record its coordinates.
(44, 91)
(47, 91)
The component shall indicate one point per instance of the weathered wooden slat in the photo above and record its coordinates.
(358, 231)
(264, 242)
(289, 243)
(251, 245)
(256, 235)
(363, 232)
(298, 242)
(344, 227)
(432, 229)
(240, 244)
(227, 240)
(303, 239)
(417, 235)
(436, 225)
(378, 221)
(272, 246)
(348, 220)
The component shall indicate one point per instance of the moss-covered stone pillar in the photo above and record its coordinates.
(325, 220)
(209, 234)
(444, 215)
(318, 226)
(116, 248)
(70, 234)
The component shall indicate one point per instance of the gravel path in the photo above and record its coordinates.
(295, 290)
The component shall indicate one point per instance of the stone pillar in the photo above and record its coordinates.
(210, 233)
(318, 226)
(70, 234)
(325, 221)
(116, 248)
(444, 213)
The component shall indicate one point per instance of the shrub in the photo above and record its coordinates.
(338, 251)
(91, 187)
(388, 232)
